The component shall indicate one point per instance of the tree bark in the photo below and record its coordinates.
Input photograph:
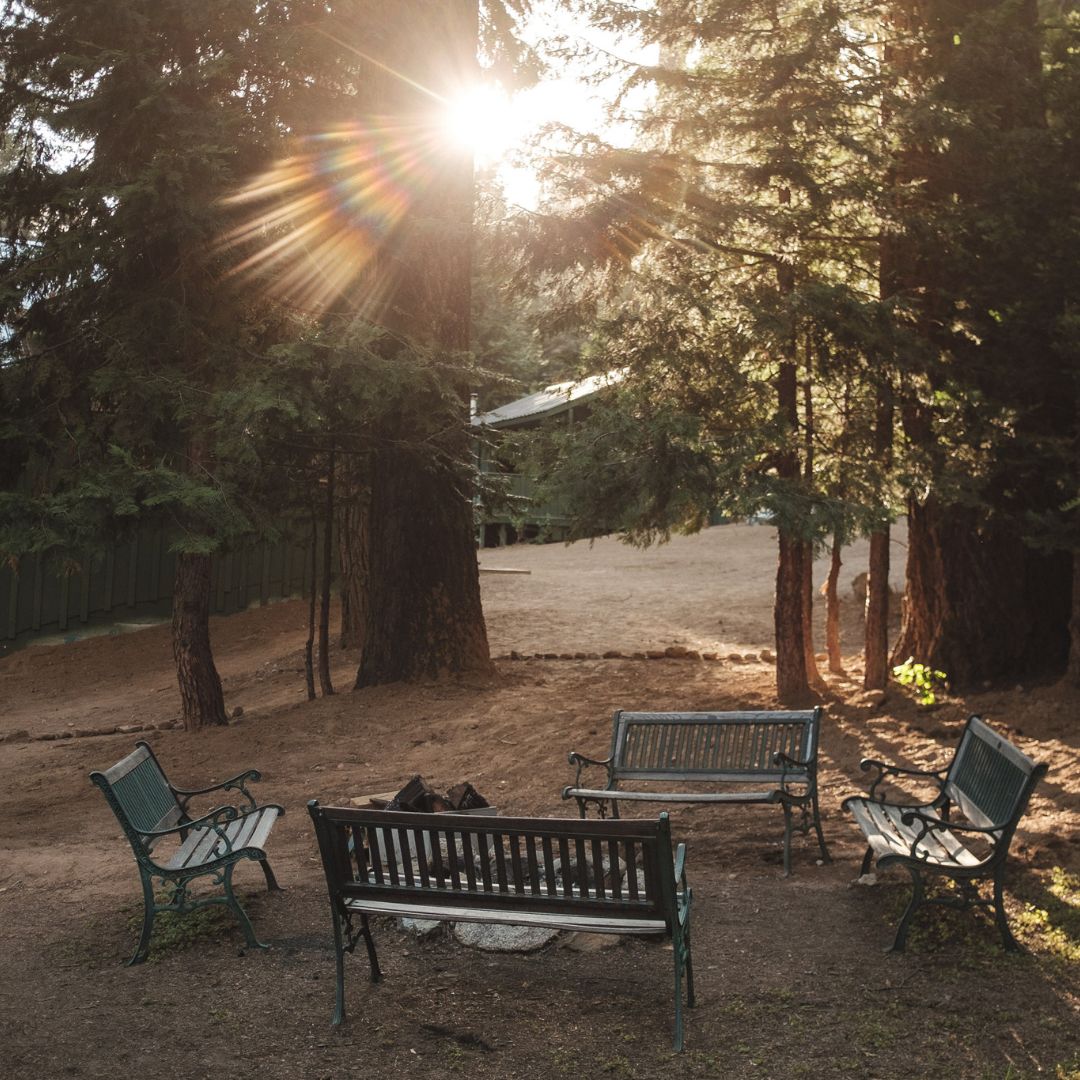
(424, 618)
(325, 683)
(353, 544)
(792, 687)
(1073, 671)
(832, 610)
(876, 640)
(966, 609)
(309, 645)
(813, 674)
(201, 697)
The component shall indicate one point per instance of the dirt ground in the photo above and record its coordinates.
(791, 975)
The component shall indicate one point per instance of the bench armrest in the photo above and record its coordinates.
(582, 762)
(780, 758)
(234, 783)
(885, 769)
(931, 824)
(215, 819)
(682, 890)
(680, 864)
(909, 817)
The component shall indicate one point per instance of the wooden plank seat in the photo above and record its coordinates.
(153, 813)
(755, 757)
(614, 877)
(963, 833)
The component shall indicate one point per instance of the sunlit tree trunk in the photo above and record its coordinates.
(201, 697)
(832, 610)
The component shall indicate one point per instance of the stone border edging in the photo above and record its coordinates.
(672, 652)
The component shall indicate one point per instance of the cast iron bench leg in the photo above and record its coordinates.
(268, 873)
(1007, 939)
(917, 894)
(373, 959)
(238, 911)
(149, 910)
(825, 856)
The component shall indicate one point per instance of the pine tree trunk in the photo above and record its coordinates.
(309, 645)
(1073, 672)
(325, 683)
(424, 618)
(876, 640)
(876, 648)
(832, 610)
(202, 700)
(966, 608)
(353, 506)
(813, 675)
(791, 684)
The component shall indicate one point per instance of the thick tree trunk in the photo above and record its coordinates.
(1073, 674)
(325, 684)
(424, 618)
(813, 675)
(309, 645)
(202, 700)
(966, 613)
(353, 503)
(832, 610)
(876, 647)
(791, 683)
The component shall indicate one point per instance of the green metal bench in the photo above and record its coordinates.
(989, 782)
(153, 814)
(613, 877)
(757, 757)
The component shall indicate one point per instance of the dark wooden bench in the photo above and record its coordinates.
(963, 833)
(756, 757)
(612, 877)
(173, 849)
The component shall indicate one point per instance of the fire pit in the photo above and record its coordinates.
(418, 797)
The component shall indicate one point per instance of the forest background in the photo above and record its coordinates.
(248, 289)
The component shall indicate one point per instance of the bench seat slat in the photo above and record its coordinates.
(554, 920)
(676, 796)
(987, 786)
(686, 751)
(886, 833)
(203, 844)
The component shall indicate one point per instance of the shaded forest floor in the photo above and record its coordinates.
(791, 975)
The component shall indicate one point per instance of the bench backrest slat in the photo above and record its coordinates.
(140, 795)
(517, 864)
(721, 745)
(989, 778)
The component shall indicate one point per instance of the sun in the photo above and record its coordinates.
(482, 119)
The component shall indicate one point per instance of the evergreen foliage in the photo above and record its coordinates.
(829, 204)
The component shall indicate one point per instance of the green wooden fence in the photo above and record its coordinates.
(135, 579)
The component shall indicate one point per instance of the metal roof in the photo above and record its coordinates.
(551, 399)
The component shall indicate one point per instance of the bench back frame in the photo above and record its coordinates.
(723, 746)
(369, 854)
(141, 797)
(989, 780)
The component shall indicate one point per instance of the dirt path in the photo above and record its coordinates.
(791, 977)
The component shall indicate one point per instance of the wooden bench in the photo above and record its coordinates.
(151, 811)
(547, 872)
(776, 752)
(989, 782)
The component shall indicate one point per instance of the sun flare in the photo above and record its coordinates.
(483, 119)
